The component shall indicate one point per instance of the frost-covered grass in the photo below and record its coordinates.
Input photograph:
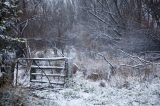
(82, 92)
(122, 90)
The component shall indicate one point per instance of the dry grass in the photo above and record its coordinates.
(124, 70)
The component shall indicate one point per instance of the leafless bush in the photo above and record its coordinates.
(126, 69)
(93, 76)
(74, 69)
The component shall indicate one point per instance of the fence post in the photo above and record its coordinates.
(66, 68)
(16, 72)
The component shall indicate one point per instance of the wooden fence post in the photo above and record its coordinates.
(16, 72)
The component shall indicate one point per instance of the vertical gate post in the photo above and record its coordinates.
(66, 68)
(17, 71)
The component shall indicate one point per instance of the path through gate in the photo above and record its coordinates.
(52, 71)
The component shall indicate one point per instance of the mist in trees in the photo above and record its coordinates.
(60, 22)
(102, 39)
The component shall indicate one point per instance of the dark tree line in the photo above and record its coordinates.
(52, 20)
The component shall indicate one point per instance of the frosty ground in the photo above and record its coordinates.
(83, 92)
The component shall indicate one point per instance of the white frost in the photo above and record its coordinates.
(84, 92)
(7, 3)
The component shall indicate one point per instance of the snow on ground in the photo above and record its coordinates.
(82, 92)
